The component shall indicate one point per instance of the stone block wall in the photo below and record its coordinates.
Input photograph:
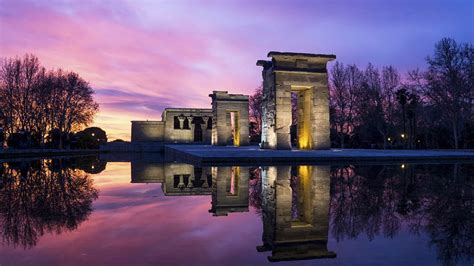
(182, 135)
(147, 131)
(223, 104)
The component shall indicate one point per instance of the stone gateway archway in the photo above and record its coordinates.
(305, 75)
(230, 119)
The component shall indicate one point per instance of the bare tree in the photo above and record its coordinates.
(390, 81)
(449, 82)
(344, 84)
(78, 108)
(370, 119)
(35, 101)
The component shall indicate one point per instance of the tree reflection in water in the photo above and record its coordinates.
(432, 199)
(44, 196)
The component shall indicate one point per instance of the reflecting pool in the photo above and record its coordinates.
(95, 211)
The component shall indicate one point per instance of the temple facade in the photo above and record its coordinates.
(305, 76)
(227, 123)
(177, 125)
(298, 76)
(231, 119)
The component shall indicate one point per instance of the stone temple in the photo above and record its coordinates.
(300, 76)
(306, 76)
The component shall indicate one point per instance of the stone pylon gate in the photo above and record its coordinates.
(230, 121)
(306, 76)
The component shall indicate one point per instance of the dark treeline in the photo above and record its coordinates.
(436, 200)
(380, 108)
(39, 106)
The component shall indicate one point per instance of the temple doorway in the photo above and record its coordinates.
(198, 121)
(234, 124)
(303, 118)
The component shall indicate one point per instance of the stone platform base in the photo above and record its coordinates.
(253, 155)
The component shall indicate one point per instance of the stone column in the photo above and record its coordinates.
(181, 121)
(283, 114)
(206, 133)
(320, 115)
(205, 119)
(191, 126)
(244, 124)
(190, 182)
(181, 182)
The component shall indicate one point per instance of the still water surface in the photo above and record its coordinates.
(86, 211)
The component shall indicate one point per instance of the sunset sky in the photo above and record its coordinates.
(143, 56)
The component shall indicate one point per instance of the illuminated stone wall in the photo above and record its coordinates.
(223, 104)
(185, 135)
(305, 74)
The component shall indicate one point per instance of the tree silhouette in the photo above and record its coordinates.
(39, 197)
(35, 101)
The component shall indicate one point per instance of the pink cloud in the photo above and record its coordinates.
(163, 63)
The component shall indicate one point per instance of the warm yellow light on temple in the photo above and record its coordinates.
(304, 117)
(303, 142)
(236, 125)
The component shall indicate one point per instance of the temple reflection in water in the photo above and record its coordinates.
(295, 201)
(299, 205)
(227, 185)
(296, 212)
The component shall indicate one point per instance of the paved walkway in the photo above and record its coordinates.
(252, 154)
